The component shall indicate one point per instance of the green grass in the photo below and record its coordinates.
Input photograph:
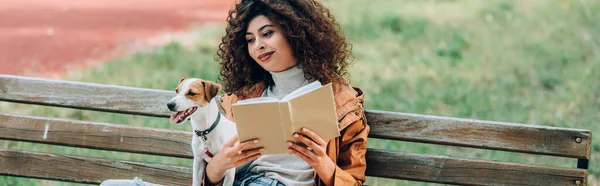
(532, 62)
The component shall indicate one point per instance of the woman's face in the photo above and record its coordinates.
(268, 46)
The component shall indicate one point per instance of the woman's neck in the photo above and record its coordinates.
(286, 81)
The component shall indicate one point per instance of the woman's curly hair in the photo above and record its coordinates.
(316, 41)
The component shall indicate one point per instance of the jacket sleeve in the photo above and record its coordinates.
(351, 160)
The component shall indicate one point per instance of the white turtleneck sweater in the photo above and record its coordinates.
(289, 169)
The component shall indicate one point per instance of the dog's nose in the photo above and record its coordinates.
(171, 106)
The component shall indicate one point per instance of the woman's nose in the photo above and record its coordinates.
(259, 45)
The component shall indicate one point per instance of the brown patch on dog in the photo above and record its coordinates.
(196, 93)
(211, 90)
(179, 85)
(202, 91)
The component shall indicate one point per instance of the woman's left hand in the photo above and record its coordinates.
(314, 153)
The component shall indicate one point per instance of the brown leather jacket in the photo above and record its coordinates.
(348, 150)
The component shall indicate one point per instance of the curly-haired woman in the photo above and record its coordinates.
(271, 48)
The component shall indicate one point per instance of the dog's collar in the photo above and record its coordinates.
(203, 133)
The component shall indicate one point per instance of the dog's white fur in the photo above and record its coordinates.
(201, 120)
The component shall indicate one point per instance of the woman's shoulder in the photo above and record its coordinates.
(349, 102)
(344, 92)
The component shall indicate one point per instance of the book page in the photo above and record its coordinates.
(286, 121)
(302, 90)
(257, 100)
(315, 111)
(261, 121)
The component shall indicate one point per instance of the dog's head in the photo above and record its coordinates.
(191, 94)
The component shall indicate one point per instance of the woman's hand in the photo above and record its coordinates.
(314, 154)
(230, 156)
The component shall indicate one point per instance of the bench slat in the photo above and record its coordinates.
(441, 169)
(430, 168)
(409, 166)
(90, 96)
(87, 170)
(96, 135)
(387, 125)
(480, 134)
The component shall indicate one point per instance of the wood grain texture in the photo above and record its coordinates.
(429, 168)
(441, 169)
(380, 163)
(96, 135)
(70, 94)
(533, 139)
(387, 125)
(87, 170)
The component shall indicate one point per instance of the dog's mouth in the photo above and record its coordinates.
(180, 116)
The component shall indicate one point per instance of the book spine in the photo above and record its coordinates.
(286, 121)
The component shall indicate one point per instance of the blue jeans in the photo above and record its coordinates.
(255, 179)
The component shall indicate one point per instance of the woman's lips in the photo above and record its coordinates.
(265, 56)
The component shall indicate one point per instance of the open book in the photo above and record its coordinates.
(274, 121)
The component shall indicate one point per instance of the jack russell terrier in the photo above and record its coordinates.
(194, 101)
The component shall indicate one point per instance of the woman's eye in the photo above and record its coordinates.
(249, 40)
(268, 33)
(191, 94)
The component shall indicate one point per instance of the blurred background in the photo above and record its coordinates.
(529, 61)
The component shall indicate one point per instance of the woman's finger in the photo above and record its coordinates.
(301, 150)
(237, 149)
(315, 148)
(246, 153)
(246, 144)
(314, 137)
(293, 150)
(242, 161)
(231, 141)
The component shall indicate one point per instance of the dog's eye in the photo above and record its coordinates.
(176, 90)
(191, 93)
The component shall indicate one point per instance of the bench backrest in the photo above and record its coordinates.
(532, 139)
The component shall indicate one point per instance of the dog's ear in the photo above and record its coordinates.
(210, 89)
(180, 81)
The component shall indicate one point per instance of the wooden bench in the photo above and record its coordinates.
(531, 139)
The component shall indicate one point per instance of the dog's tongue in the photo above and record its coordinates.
(175, 117)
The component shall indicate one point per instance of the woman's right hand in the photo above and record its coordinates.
(230, 156)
